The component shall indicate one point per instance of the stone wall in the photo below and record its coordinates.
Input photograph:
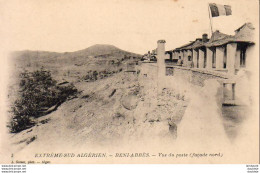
(196, 77)
(182, 73)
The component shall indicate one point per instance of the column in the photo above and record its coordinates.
(160, 58)
(231, 57)
(201, 58)
(181, 55)
(194, 58)
(167, 56)
(189, 53)
(161, 68)
(189, 63)
(219, 58)
(209, 57)
(229, 93)
(250, 52)
(184, 58)
(237, 61)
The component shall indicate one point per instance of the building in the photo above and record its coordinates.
(221, 57)
(221, 52)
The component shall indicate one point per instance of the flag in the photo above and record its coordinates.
(220, 10)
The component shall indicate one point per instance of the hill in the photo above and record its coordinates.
(72, 66)
(104, 50)
(98, 50)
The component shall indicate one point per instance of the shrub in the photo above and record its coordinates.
(38, 92)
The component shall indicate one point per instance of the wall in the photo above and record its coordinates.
(193, 76)
(237, 60)
(182, 73)
(251, 62)
(199, 78)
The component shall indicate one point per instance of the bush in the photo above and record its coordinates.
(94, 75)
(38, 92)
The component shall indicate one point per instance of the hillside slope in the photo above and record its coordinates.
(95, 50)
(98, 50)
(120, 110)
(71, 66)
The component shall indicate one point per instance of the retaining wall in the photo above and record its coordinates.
(196, 76)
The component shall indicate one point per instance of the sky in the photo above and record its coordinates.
(132, 25)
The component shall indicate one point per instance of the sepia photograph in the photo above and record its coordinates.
(133, 81)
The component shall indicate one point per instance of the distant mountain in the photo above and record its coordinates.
(98, 50)
(72, 66)
(28, 54)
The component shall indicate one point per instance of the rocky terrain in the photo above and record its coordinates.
(123, 107)
(117, 109)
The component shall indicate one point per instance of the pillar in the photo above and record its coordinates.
(182, 55)
(185, 58)
(194, 58)
(160, 58)
(201, 58)
(167, 56)
(219, 58)
(231, 57)
(229, 92)
(189, 53)
(250, 62)
(237, 60)
(209, 57)
(177, 55)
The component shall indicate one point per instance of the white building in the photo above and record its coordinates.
(221, 57)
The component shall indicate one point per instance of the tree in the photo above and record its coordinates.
(38, 92)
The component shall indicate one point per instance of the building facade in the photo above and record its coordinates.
(221, 57)
(224, 53)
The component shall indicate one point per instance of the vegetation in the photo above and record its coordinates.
(94, 75)
(38, 92)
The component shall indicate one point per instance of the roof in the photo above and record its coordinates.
(243, 34)
(197, 44)
(249, 25)
(185, 46)
(218, 36)
(218, 39)
(194, 44)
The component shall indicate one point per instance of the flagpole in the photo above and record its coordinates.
(210, 20)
